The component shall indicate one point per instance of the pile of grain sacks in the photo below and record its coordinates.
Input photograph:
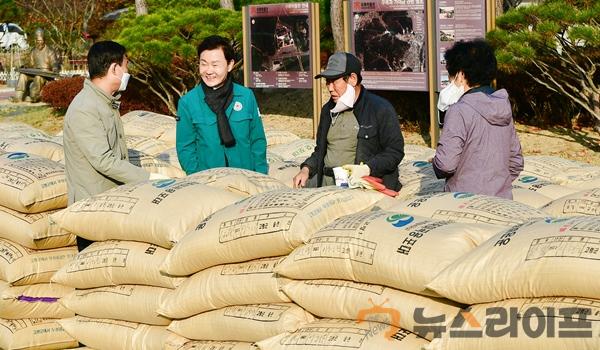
(31, 188)
(232, 259)
(117, 280)
(150, 139)
(285, 153)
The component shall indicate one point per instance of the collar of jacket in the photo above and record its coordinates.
(486, 89)
(360, 102)
(236, 91)
(112, 101)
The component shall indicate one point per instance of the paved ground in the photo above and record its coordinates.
(6, 93)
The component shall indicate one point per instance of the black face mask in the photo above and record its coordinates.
(217, 100)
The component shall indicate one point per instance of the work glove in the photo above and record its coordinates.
(356, 172)
(157, 176)
(377, 185)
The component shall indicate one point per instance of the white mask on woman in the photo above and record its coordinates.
(449, 96)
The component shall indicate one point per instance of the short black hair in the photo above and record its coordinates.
(358, 78)
(101, 55)
(475, 59)
(217, 42)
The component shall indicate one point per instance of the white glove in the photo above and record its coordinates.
(360, 183)
(356, 173)
(157, 176)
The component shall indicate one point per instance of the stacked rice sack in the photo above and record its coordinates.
(277, 136)
(562, 171)
(417, 152)
(531, 286)
(586, 202)
(153, 125)
(377, 265)
(176, 342)
(547, 178)
(527, 286)
(151, 142)
(297, 150)
(418, 178)
(544, 180)
(118, 285)
(285, 153)
(572, 188)
(31, 188)
(467, 207)
(231, 258)
(20, 137)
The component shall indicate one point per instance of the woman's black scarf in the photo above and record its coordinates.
(217, 100)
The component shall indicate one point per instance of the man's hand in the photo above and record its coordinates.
(301, 178)
(157, 176)
(357, 172)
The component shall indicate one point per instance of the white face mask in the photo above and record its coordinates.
(124, 81)
(346, 101)
(449, 96)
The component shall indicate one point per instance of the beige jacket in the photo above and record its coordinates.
(95, 151)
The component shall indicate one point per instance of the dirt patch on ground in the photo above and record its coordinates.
(582, 145)
(38, 115)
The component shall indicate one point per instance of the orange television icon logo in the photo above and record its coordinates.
(394, 316)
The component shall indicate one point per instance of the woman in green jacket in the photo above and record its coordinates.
(218, 121)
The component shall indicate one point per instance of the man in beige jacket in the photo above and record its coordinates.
(95, 151)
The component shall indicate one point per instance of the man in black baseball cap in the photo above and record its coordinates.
(341, 64)
(358, 131)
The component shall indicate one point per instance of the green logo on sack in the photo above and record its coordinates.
(17, 155)
(400, 220)
(163, 183)
(554, 221)
(420, 164)
(528, 179)
(463, 195)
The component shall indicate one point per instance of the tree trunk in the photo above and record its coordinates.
(499, 8)
(227, 4)
(141, 8)
(337, 24)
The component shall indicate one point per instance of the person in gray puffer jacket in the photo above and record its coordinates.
(479, 150)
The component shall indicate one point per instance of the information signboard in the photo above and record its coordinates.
(456, 20)
(280, 44)
(390, 39)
